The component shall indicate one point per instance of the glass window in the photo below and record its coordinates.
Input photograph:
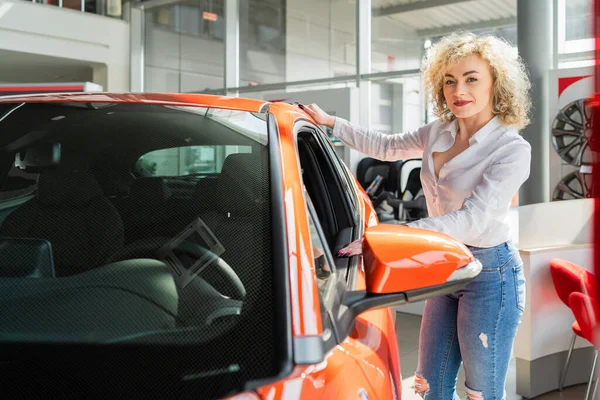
(324, 269)
(295, 40)
(18, 184)
(575, 26)
(188, 160)
(579, 19)
(341, 169)
(395, 44)
(397, 104)
(111, 8)
(132, 260)
(184, 46)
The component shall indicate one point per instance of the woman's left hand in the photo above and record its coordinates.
(320, 116)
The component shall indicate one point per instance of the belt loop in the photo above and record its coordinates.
(499, 256)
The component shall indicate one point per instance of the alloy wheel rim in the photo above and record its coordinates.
(571, 132)
(576, 185)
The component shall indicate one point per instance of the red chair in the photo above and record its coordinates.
(570, 278)
(583, 308)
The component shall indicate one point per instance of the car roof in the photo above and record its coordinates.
(180, 99)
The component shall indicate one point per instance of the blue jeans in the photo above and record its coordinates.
(475, 325)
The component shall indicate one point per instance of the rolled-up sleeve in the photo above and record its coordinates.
(381, 145)
(490, 199)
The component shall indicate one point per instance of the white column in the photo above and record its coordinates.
(363, 51)
(534, 37)
(136, 53)
(232, 45)
(363, 66)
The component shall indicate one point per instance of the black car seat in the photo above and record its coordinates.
(238, 221)
(26, 258)
(240, 218)
(409, 204)
(414, 188)
(146, 211)
(204, 193)
(412, 198)
(368, 168)
(70, 211)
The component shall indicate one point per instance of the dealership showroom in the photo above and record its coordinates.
(335, 72)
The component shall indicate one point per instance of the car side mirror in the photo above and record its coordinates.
(405, 265)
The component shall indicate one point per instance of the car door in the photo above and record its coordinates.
(361, 363)
(370, 341)
(324, 212)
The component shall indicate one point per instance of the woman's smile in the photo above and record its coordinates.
(461, 103)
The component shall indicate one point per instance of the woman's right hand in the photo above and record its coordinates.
(320, 116)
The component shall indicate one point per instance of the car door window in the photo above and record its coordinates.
(342, 171)
(334, 195)
(347, 235)
(325, 186)
(322, 258)
(325, 274)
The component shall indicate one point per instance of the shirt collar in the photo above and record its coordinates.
(488, 128)
(452, 128)
(480, 135)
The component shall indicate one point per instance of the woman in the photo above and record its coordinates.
(474, 162)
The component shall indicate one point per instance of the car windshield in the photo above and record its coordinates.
(137, 226)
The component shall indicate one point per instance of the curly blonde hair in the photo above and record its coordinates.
(511, 102)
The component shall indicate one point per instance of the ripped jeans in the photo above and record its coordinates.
(475, 325)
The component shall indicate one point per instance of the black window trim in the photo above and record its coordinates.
(346, 283)
(354, 209)
(317, 187)
(349, 206)
(341, 168)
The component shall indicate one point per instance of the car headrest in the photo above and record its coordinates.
(368, 169)
(67, 188)
(149, 191)
(243, 183)
(206, 188)
(26, 258)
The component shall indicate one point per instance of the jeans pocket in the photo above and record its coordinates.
(520, 291)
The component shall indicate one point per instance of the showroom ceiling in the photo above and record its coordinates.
(431, 18)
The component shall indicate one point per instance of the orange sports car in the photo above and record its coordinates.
(186, 246)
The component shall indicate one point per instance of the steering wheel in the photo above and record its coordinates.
(219, 274)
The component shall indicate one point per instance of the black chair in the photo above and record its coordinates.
(411, 204)
(71, 212)
(26, 258)
(146, 211)
(369, 168)
(408, 204)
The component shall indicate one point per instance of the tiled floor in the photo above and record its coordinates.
(407, 328)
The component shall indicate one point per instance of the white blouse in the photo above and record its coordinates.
(471, 199)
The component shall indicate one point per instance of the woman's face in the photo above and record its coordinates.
(468, 87)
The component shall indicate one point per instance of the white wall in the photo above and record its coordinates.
(557, 223)
(50, 31)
